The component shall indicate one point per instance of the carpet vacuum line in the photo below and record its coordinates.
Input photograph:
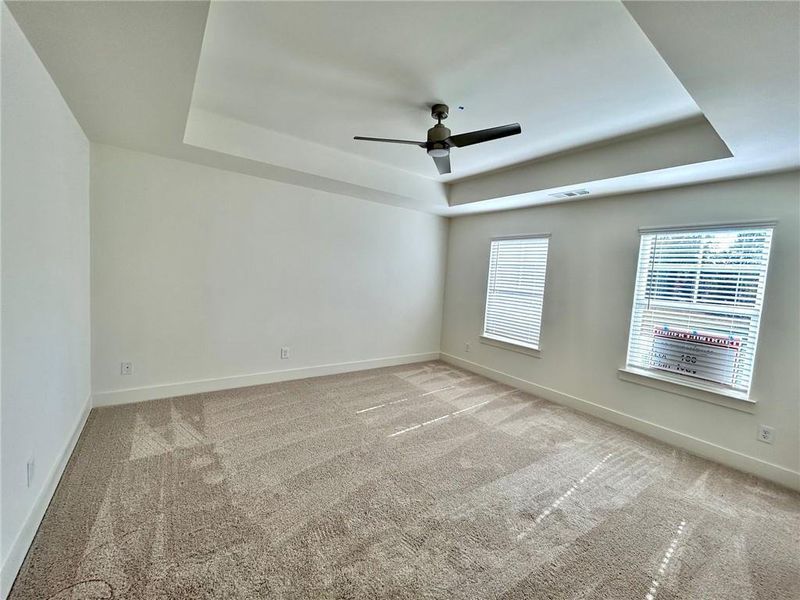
(651, 593)
(563, 497)
(452, 414)
(363, 410)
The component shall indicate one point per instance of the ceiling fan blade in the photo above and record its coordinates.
(372, 139)
(442, 163)
(483, 135)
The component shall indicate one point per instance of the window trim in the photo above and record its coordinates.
(686, 386)
(505, 344)
(719, 396)
(706, 226)
(521, 236)
(512, 346)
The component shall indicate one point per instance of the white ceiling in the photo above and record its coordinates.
(569, 72)
(277, 90)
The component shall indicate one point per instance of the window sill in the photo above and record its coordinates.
(511, 346)
(665, 383)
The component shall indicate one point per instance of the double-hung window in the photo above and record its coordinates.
(515, 290)
(697, 306)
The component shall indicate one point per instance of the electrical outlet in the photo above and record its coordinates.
(766, 434)
(466, 347)
(126, 368)
(29, 471)
(285, 352)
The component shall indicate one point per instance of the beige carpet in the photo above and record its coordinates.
(421, 481)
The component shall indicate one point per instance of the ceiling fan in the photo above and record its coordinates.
(440, 141)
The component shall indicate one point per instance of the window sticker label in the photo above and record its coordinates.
(702, 355)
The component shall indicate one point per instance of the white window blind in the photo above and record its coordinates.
(697, 305)
(515, 290)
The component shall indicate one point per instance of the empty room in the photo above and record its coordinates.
(400, 299)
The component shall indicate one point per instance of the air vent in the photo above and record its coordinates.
(570, 194)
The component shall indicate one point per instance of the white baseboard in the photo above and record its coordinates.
(21, 544)
(720, 454)
(171, 390)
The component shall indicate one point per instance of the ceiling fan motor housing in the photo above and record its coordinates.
(437, 144)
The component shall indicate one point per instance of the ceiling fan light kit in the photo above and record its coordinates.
(440, 139)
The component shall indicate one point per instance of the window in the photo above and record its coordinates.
(515, 290)
(697, 306)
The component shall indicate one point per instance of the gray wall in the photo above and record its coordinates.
(587, 306)
(45, 289)
(200, 276)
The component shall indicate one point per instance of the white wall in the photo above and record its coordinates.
(590, 281)
(199, 276)
(45, 290)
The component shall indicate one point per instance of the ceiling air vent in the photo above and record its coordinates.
(569, 194)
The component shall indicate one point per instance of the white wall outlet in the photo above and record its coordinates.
(285, 352)
(29, 471)
(466, 347)
(126, 368)
(766, 434)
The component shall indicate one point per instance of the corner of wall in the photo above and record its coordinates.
(446, 260)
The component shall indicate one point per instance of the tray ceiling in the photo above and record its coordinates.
(612, 97)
